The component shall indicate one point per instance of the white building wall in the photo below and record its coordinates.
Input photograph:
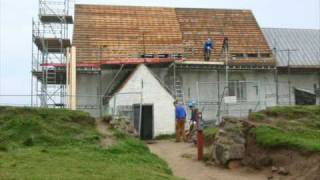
(260, 89)
(88, 90)
(258, 86)
(87, 93)
(88, 85)
(152, 94)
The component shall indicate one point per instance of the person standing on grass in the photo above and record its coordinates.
(180, 121)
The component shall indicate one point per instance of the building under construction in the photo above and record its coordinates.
(134, 61)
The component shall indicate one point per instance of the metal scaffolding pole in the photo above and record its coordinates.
(50, 38)
(289, 51)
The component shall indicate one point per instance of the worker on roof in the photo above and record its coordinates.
(207, 49)
(180, 121)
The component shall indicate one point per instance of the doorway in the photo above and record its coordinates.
(146, 128)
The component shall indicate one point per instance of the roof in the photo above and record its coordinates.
(304, 42)
(129, 76)
(130, 31)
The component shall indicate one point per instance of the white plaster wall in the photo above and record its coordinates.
(87, 93)
(87, 84)
(261, 93)
(152, 93)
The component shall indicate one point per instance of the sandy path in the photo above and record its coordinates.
(190, 169)
(107, 138)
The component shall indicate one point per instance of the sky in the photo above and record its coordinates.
(16, 30)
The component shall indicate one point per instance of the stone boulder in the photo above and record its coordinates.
(123, 125)
(229, 143)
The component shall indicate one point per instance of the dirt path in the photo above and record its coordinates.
(107, 138)
(181, 159)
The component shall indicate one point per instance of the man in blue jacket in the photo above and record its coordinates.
(180, 121)
(208, 46)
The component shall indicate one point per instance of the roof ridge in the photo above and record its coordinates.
(288, 28)
(169, 7)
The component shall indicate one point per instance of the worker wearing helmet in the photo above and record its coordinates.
(191, 105)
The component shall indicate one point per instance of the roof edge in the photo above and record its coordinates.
(288, 28)
(170, 7)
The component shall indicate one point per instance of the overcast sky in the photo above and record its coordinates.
(16, 17)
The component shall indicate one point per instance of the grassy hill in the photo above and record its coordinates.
(61, 144)
(296, 127)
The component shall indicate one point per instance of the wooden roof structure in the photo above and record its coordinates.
(105, 33)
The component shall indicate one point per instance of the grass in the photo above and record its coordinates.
(295, 127)
(273, 137)
(21, 127)
(256, 116)
(62, 144)
(209, 135)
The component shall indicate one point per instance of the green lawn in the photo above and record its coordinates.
(295, 127)
(61, 144)
(209, 134)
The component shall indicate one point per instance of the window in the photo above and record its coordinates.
(237, 86)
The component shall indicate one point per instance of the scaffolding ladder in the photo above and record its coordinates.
(50, 42)
(179, 94)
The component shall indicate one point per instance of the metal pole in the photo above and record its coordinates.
(114, 105)
(288, 63)
(174, 80)
(289, 82)
(218, 110)
(100, 83)
(32, 59)
(277, 85)
(276, 77)
(198, 95)
(227, 68)
(37, 91)
(140, 113)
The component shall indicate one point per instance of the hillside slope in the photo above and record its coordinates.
(286, 138)
(296, 127)
(61, 144)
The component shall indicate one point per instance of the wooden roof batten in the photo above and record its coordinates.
(133, 34)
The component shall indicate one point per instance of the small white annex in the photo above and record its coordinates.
(157, 109)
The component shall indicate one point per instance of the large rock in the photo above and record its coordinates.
(123, 125)
(229, 144)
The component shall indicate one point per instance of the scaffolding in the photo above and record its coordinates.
(50, 40)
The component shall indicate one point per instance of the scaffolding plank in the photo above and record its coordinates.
(56, 19)
(52, 45)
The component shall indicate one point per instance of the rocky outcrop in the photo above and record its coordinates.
(229, 143)
(123, 125)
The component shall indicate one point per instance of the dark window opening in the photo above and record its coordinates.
(238, 89)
